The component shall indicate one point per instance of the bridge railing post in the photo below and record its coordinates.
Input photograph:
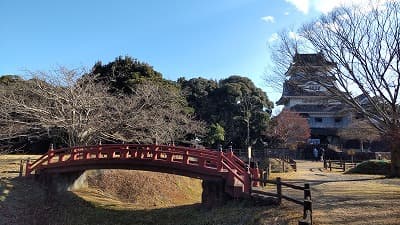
(98, 154)
(186, 157)
(126, 151)
(50, 153)
(220, 158)
(154, 153)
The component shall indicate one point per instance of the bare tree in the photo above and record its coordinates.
(79, 111)
(56, 101)
(282, 51)
(363, 42)
(152, 112)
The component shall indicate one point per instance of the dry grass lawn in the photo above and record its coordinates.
(348, 199)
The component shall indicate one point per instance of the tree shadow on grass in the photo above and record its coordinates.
(323, 181)
(27, 203)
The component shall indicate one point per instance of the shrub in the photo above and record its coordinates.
(381, 167)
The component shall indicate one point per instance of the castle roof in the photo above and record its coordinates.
(309, 63)
(306, 69)
(317, 59)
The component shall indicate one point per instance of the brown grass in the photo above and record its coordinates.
(142, 189)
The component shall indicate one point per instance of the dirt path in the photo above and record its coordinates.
(346, 198)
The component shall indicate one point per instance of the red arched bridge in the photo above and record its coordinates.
(222, 173)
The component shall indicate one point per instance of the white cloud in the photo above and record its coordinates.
(274, 37)
(301, 5)
(286, 13)
(294, 35)
(268, 19)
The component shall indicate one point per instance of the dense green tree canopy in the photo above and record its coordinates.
(197, 91)
(124, 73)
(235, 103)
(215, 135)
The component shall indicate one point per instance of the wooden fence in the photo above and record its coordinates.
(289, 161)
(341, 165)
(261, 154)
(306, 202)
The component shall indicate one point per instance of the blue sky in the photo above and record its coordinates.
(190, 38)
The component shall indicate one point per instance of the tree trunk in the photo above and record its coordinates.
(395, 165)
(394, 141)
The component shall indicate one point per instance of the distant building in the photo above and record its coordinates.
(303, 93)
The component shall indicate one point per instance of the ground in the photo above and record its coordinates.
(337, 199)
(348, 198)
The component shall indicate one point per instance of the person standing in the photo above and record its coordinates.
(315, 154)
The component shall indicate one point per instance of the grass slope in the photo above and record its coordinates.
(142, 189)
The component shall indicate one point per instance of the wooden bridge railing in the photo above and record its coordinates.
(306, 202)
(195, 161)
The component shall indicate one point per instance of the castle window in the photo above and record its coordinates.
(318, 119)
(338, 119)
(312, 87)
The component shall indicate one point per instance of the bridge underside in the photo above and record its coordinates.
(61, 180)
(177, 169)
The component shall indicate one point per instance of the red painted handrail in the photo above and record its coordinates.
(214, 163)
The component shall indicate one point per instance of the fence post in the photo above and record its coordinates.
(283, 166)
(330, 165)
(21, 168)
(325, 165)
(307, 191)
(344, 166)
(279, 189)
(264, 177)
(307, 207)
(27, 169)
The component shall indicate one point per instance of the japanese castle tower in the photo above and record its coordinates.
(303, 93)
